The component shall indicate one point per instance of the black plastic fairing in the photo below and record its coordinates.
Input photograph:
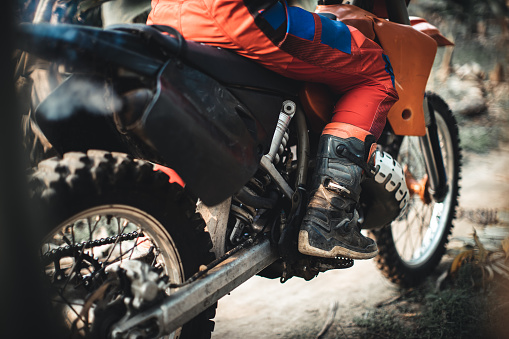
(203, 132)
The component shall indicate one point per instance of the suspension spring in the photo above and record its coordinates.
(285, 116)
(282, 146)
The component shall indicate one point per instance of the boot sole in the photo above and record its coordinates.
(337, 251)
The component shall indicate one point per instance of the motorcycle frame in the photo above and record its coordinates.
(188, 302)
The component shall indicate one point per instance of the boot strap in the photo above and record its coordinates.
(369, 169)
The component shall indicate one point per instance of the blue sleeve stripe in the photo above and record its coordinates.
(275, 16)
(336, 35)
(301, 23)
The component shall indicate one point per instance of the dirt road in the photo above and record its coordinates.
(263, 308)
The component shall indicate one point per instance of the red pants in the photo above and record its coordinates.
(297, 44)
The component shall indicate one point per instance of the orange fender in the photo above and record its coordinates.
(411, 53)
(422, 25)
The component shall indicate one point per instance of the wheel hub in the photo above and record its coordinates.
(419, 187)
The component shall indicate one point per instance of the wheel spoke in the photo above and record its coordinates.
(408, 231)
(92, 230)
(116, 241)
(115, 254)
(136, 242)
(119, 258)
(69, 304)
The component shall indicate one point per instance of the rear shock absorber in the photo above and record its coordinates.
(280, 138)
(250, 197)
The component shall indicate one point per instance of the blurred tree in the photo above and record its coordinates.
(471, 12)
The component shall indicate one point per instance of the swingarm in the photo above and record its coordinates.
(194, 297)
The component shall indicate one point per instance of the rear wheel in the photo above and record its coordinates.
(105, 210)
(413, 245)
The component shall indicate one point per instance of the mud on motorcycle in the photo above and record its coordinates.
(135, 249)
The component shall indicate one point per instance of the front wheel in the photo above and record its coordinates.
(107, 213)
(413, 245)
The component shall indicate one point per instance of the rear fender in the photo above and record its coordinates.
(425, 27)
(411, 54)
(191, 124)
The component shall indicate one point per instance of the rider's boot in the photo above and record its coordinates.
(330, 227)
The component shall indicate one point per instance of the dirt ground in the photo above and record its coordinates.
(263, 308)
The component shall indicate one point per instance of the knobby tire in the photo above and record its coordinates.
(62, 188)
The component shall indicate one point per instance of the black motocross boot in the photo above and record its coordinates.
(330, 227)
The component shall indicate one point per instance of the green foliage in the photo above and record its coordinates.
(479, 139)
(472, 9)
(453, 313)
(382, 324)
(458, 311)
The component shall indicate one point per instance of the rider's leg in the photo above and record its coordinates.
(330, 227)
(308, 47)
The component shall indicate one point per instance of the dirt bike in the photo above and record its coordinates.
(182, 171)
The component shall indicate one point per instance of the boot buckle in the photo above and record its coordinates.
(337, 188)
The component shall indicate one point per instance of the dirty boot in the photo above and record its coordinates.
(330, 227)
